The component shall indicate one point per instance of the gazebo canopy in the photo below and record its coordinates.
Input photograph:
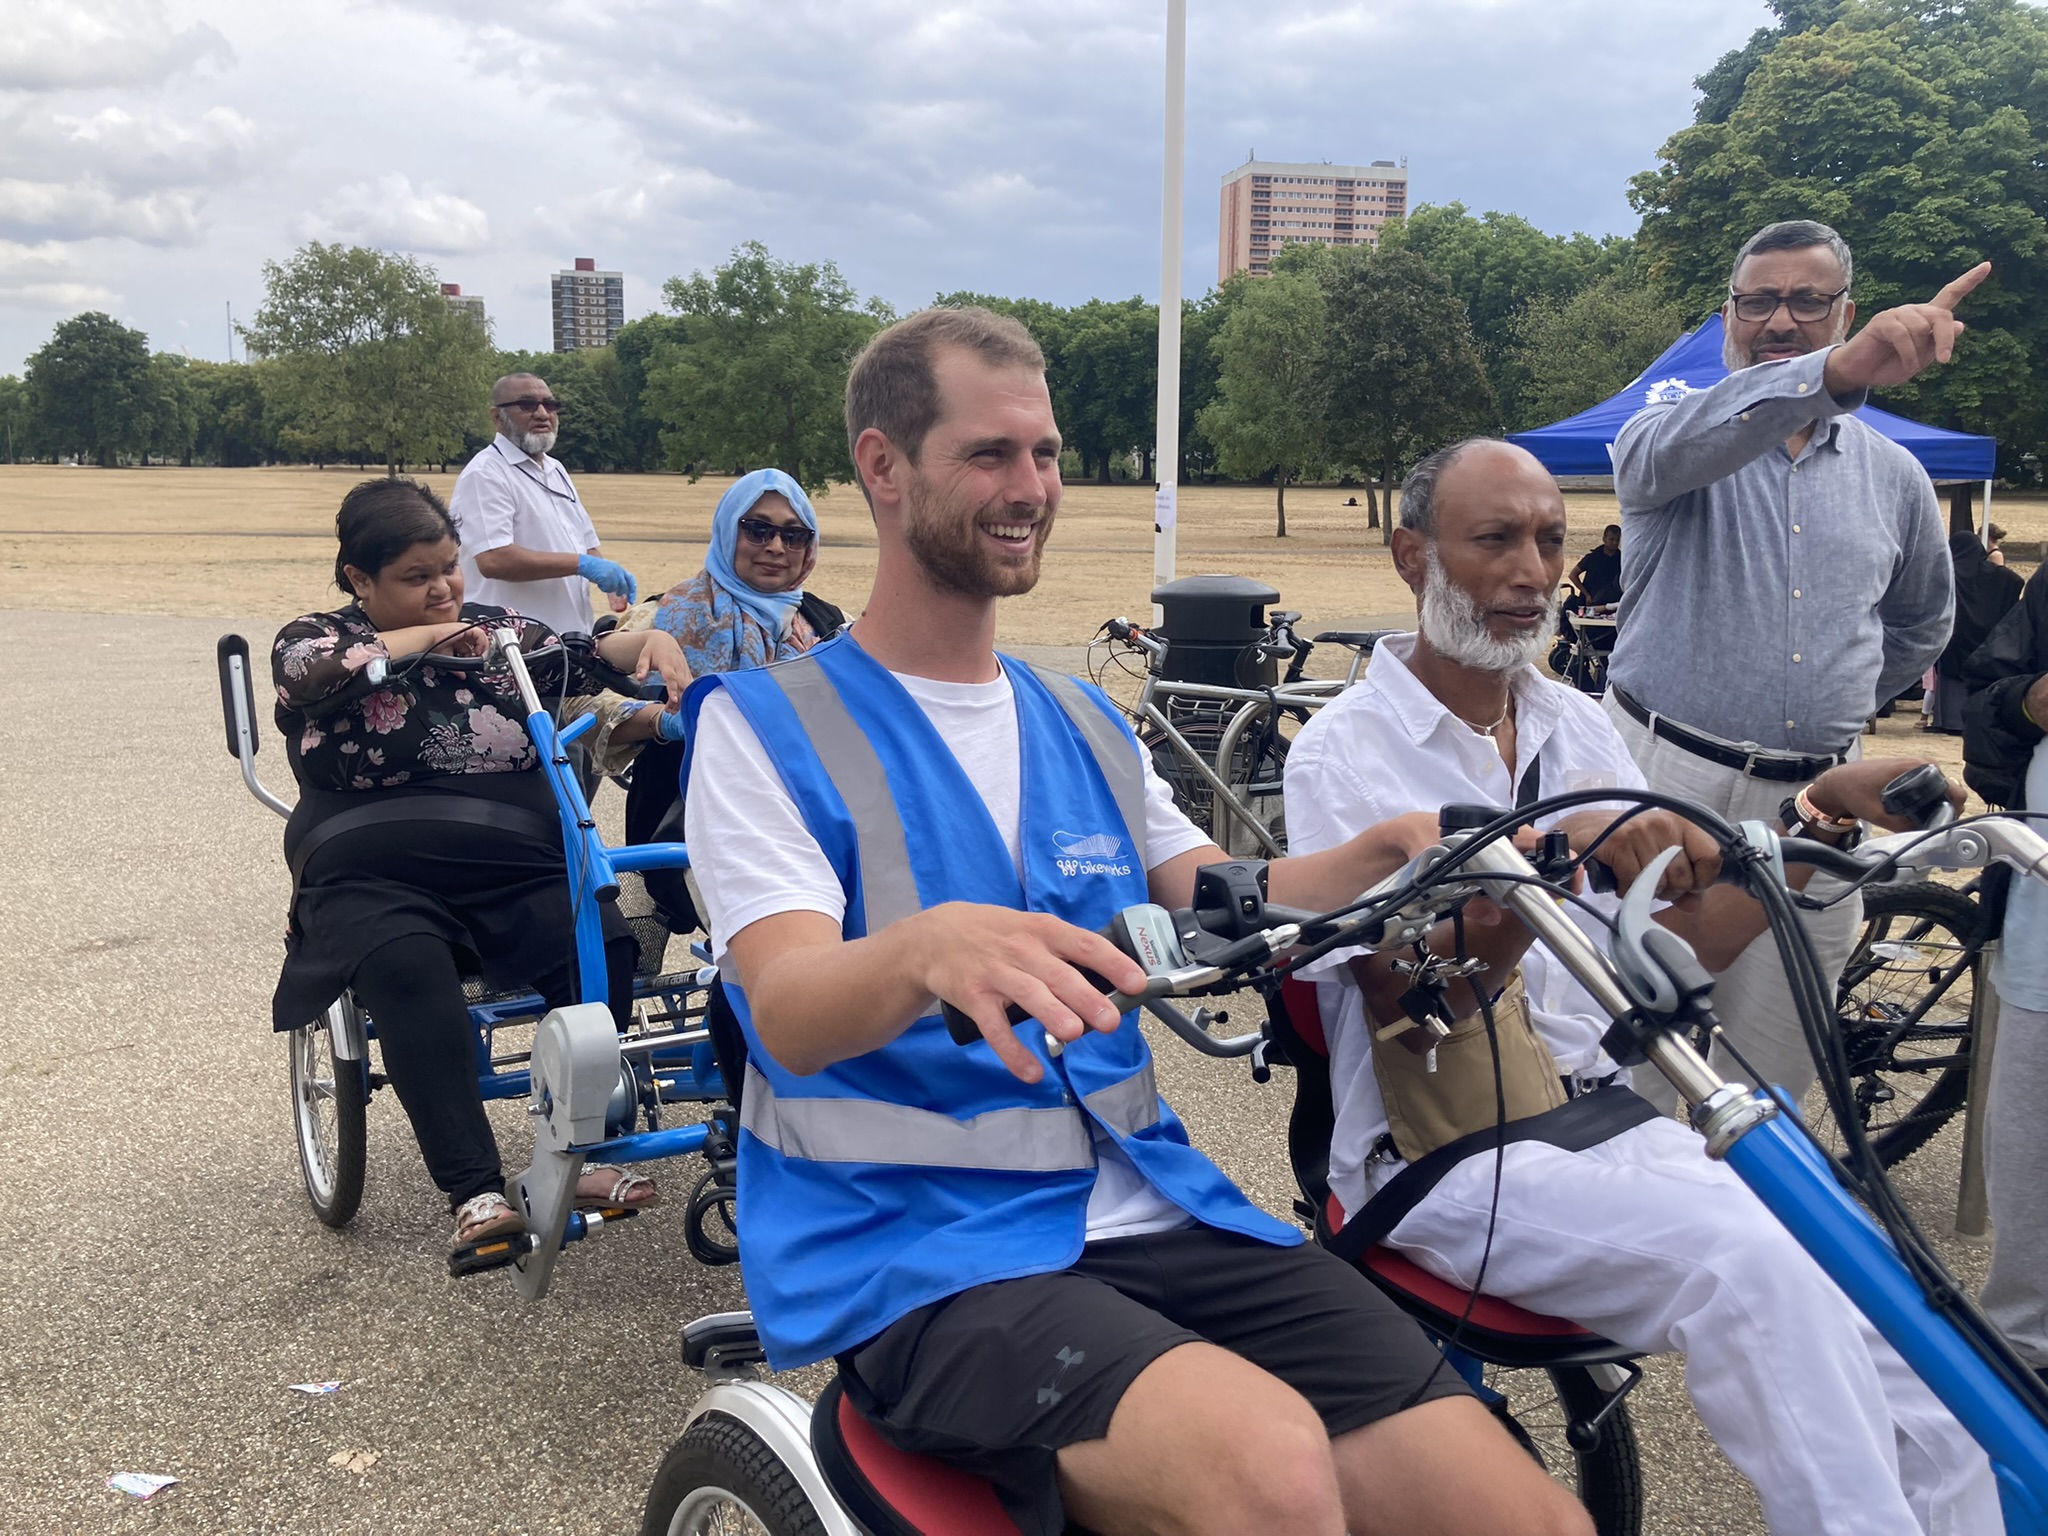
(1579, 444)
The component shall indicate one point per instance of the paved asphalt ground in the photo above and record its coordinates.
(161, 1278)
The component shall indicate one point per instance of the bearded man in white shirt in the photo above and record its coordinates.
(1640, 1237)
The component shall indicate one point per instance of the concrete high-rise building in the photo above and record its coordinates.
(590, 305)
(471, 304)
(1267, 204)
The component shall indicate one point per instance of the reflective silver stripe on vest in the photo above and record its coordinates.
(870, 1131)
(1130, 1106)
(1113, 752)
(1004, 1140)
(888, 889)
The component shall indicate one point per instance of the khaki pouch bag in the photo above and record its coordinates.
(1427, 1110)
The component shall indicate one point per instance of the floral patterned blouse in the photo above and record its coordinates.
(434, 723)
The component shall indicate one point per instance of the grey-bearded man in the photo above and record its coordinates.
(1784, 574)
(1640, 1235)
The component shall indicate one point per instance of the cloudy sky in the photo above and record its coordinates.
(154, 153)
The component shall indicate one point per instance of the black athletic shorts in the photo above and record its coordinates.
(996, 1379)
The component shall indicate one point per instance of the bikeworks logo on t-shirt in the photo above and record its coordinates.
(1100, 854)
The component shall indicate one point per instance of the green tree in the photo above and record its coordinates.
(1267, 416)
(1919, 129)
(759, 376)
(371, 358)
(89, 389)
(231, 428)
(1498, 264)
(633, 345)
(172, 408)
(1109, 375)
(17, 424)
(1577, 352)
(1401, 371)
(1201, 371)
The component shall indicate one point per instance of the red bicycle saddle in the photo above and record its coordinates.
(891, 1492)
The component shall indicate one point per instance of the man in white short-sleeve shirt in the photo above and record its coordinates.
(1176, 1376)
(1640, 1237)
(527, 542)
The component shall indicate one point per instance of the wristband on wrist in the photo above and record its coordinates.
(2037, 725)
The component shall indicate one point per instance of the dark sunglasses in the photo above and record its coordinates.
(1804, 307)
(529, 404)
(762, 534)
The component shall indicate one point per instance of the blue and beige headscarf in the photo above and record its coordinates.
(721, 622)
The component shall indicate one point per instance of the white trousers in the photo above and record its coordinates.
(1647, 1240)
(1751, 997)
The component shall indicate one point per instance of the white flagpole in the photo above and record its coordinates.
(1166, 450)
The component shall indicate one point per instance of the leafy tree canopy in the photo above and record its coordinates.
(371, 356)
(1267, 415)
(758, 375)
(89, 389)
(1578, 351)
(1917, 128)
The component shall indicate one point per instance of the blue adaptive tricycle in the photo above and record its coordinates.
(587, 1085)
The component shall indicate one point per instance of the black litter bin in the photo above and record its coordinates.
(1209, 623)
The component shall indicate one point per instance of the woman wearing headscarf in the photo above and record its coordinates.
(1985, 593)
(746, 608)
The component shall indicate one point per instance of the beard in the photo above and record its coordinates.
(1456, 629)
(1734, 358)
(946, 542)
(536, 443)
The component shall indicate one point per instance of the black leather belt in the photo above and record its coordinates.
(1757, 762)
(492, 814)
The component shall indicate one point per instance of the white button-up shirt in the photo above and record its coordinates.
(1388, 746)
(502, 497)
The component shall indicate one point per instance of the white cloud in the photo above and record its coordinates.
(83, 210)
(44, 277)
(66, 44)
(146, 147)
(391, 212)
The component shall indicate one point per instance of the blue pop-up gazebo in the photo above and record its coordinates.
(1578, 445)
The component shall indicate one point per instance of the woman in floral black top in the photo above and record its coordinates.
(459, 864)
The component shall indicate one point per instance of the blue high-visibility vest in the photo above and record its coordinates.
(905, 1175)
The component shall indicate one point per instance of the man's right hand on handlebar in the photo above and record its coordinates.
(981, 959)
(1628, 842)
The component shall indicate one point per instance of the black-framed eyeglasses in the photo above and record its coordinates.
(762, 533)
(1803, 307)
(530, 404)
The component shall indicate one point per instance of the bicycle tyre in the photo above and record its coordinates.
(1610, 1473)
(720, 1469)
(330, 1117)
(1251, 758)
(1906, 1089)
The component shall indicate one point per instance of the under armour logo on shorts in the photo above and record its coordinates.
(1068, 1357)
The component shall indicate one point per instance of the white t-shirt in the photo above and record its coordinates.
(502, 497)
(1385, 747)
(2019, 970)
(753, 857)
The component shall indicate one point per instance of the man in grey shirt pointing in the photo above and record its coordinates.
(1784, 572)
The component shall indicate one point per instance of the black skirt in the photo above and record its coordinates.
(500, 898)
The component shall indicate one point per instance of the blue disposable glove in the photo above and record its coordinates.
(608, 576)
(669, 725)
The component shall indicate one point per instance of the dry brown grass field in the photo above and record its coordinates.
(248, 544)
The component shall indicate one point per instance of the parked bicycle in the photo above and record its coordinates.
(1223, 749)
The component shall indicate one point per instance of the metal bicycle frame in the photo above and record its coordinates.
(1747, 1128)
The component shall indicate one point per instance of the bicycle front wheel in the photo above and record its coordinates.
(1251, 759)
(1904, 1008)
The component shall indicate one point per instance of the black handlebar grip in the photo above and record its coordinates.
(1917, 795)
(961, 1026)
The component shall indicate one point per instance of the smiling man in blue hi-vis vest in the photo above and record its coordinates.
(1021, 1264)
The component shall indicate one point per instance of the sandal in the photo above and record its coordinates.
(606, 1185)
(485, 1216)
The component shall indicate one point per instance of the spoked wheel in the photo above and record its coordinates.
(1251, 758)
(1202, 727)
(1904, 1006)
(1607, 1476)
(712, 1229)
(330, 1103)
(721, 1479)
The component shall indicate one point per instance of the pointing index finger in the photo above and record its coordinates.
(1958, 290)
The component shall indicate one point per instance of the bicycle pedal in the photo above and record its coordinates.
(490, 1253)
